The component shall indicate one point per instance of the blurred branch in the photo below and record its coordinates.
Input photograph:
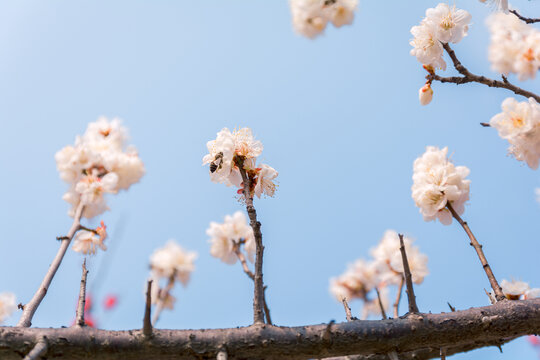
(31, 307)
(525, 19)
(469, 77)
(163, 294)
(398, 296)
(499, 295)
(383, 313)
(458, 331)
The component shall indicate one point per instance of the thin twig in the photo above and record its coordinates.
(147, 324)
(383, 313)
(485, 124)
(31, 307)
(522, 18)
(398, 296)
(413, 308)
(163, 295)
(258, 301)
(443, 354)
(452, 309)
(39, 349)
(79, 317)
(348, 314)
(242, 258)
(469, 77)
(266, 308)
(499, 295)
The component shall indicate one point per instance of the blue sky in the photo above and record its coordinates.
(339, 118)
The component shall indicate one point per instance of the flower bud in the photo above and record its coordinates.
(425, 94)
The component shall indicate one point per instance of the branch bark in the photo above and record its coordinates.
(258, 297)
(413, 308)
(79, 317)
(31, 307)
(499, 295)
(469, 77)
(456, 331)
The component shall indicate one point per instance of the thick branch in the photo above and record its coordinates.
(258, 297)
(79, 317)
(499, 295)
(469, 77)
(522, 18)
(147, 323)
(462, 330)
(31, 307)
(413, 308)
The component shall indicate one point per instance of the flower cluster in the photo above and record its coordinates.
(170, 263)
(310, 17)
(436, 182)
(229, 151)
(516, 290)
(442, 24)
(8, 305)
(514, 47)
(519, 124)
(98, 163)
(386, 268)
(87, 241)
(226, 239)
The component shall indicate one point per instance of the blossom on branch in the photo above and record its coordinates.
(425, 94)
(519, 124)
(228, 237)
(310, 17)
(87, 242)
(516, 290)
(97, 164)
(229, 151)
(8, 305)
(442, 24)
(514, 47)
(173, 262)
(436, 181)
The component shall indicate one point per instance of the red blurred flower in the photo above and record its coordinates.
(110, 301)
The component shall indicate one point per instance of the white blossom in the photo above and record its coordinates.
(310, 17)
(8, 305)
(451, 24)
(513, 290)
(359, 279)
(87, 242)
(264, 184)
(514, 46)
(233, 232)
(425, 94)
(426, 47)
(436, 181)
(519, 124)
(172, 261)
(98, 164)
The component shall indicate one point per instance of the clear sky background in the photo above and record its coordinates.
(339, 119)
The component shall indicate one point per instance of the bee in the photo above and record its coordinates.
(216, 164)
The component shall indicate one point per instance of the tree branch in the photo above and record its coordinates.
(79, 317)
(31, 307)
(525, 19)
(258, 297)
(383, 313)
(413, 308)
(460, 331)
(242, 258)
(348, 314)
(147, 324)
(398, 296)
(469, 77)
(499, 295)
(162, 297)
(39, 349)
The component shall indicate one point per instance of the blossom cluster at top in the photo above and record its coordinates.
(517, 290)
(519, 124)
(442, 24)
(98, 163)
(437, 182)
(170, 263)
(310, 17)
(385, 269)
(227, 238)
(8, 305)
(514, 47)
(228, 151)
